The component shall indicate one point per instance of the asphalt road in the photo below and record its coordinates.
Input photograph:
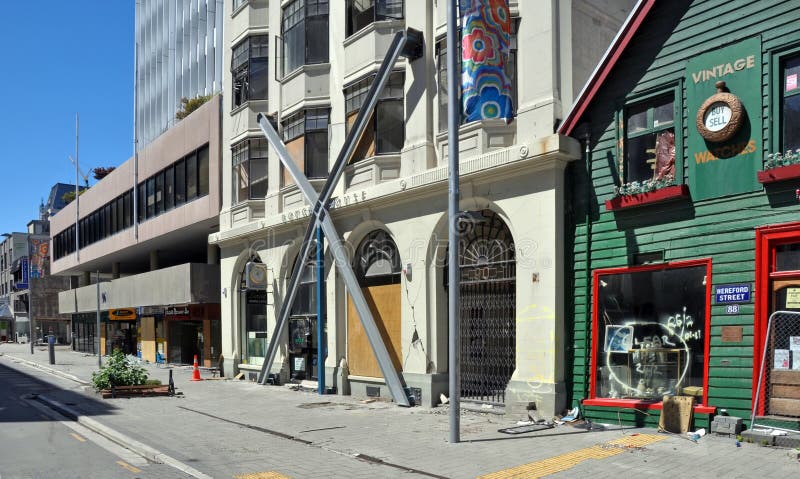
(37, 442)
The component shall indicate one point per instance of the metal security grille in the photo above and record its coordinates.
(488, 308)
(779, 381)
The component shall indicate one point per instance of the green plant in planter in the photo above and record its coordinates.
(118, 371)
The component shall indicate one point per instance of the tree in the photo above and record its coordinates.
(69, 196)
(190, 105)
(102, 171)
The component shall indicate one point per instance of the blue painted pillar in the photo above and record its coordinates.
(322, 345)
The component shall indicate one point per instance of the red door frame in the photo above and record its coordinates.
(767, 238)
(593, 399)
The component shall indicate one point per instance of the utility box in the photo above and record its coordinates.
(726, 425)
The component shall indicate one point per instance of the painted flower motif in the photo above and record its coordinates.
(498, 14)
(477, 46)
(490, 104)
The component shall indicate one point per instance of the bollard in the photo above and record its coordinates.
(51, 346)
(171, 388)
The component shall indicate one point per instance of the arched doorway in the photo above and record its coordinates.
(253, 310)
(377, 267)
(487, 272)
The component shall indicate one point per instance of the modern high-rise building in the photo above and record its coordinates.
(178, 55)
(142, 230)
(309, 64)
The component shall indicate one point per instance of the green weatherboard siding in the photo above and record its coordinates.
(720, 218)
(721, 169)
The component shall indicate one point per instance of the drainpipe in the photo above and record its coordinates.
(588, 284)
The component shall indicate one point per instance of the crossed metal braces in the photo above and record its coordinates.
(408, 44)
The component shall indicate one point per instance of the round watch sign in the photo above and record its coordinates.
(720, 116)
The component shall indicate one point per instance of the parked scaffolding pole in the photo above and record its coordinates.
(97, 331)
(321, 316)
(453, 236)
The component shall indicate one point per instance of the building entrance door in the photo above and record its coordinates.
(487, 272)
(778, 323)
(185, 340)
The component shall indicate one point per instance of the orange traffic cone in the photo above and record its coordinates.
(196, 371)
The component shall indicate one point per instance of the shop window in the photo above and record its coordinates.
(306, 137)
(441, 74)
(787, 257)
(649, 153)
(652, 331)
(304, 30)
(386, 131)
(249, 170)
(790, 107)
(249, 69)
(361, 13)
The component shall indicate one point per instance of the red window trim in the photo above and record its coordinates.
(767, 238)
(638, 404)
(593, 399)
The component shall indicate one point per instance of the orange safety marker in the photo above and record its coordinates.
(196, 371)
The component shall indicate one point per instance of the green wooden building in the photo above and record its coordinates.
(685, 217)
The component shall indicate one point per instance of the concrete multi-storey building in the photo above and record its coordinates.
(142, 231)
(391, 206)
(177, 57)
(26, 287)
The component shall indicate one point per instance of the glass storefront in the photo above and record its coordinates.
(651, 332)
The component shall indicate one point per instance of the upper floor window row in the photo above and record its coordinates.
(179, 183)
(362, 13)
(306, 137)
(249, 69)
(304, 29)
(649, 148)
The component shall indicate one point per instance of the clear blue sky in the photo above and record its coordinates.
(58, 58)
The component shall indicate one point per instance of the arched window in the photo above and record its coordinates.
(377, 260)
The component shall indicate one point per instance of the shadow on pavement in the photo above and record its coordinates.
(16, 383)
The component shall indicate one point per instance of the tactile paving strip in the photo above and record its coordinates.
(569, 460)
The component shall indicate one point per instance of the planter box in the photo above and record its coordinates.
(781, 173)
(136, 391)
(670, 193)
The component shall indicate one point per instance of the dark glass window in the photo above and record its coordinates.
(151, 197)
(313, 123)
(651, 332)
(249, 170)
(791, 104)
(650, 140)
(191, 177)
(787, 257)
(249, 69)
(361, 13)
(386, 133)
(305, 302)
(169, 188)
(159, 193)
(127, 209)
(304, 29)
(180, 183)
(202, 171)
(141, 204)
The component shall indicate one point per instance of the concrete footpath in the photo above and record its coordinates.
(227, 428)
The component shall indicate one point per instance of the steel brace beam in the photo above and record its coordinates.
(407, 43)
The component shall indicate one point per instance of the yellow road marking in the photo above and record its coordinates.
(262, 475)
(127, 466)
(569, 460)
(77, 437)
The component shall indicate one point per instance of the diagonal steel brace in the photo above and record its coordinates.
(409, 44)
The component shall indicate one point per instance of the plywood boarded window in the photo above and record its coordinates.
(377, 266)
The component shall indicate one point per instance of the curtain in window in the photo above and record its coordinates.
(485, 43)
